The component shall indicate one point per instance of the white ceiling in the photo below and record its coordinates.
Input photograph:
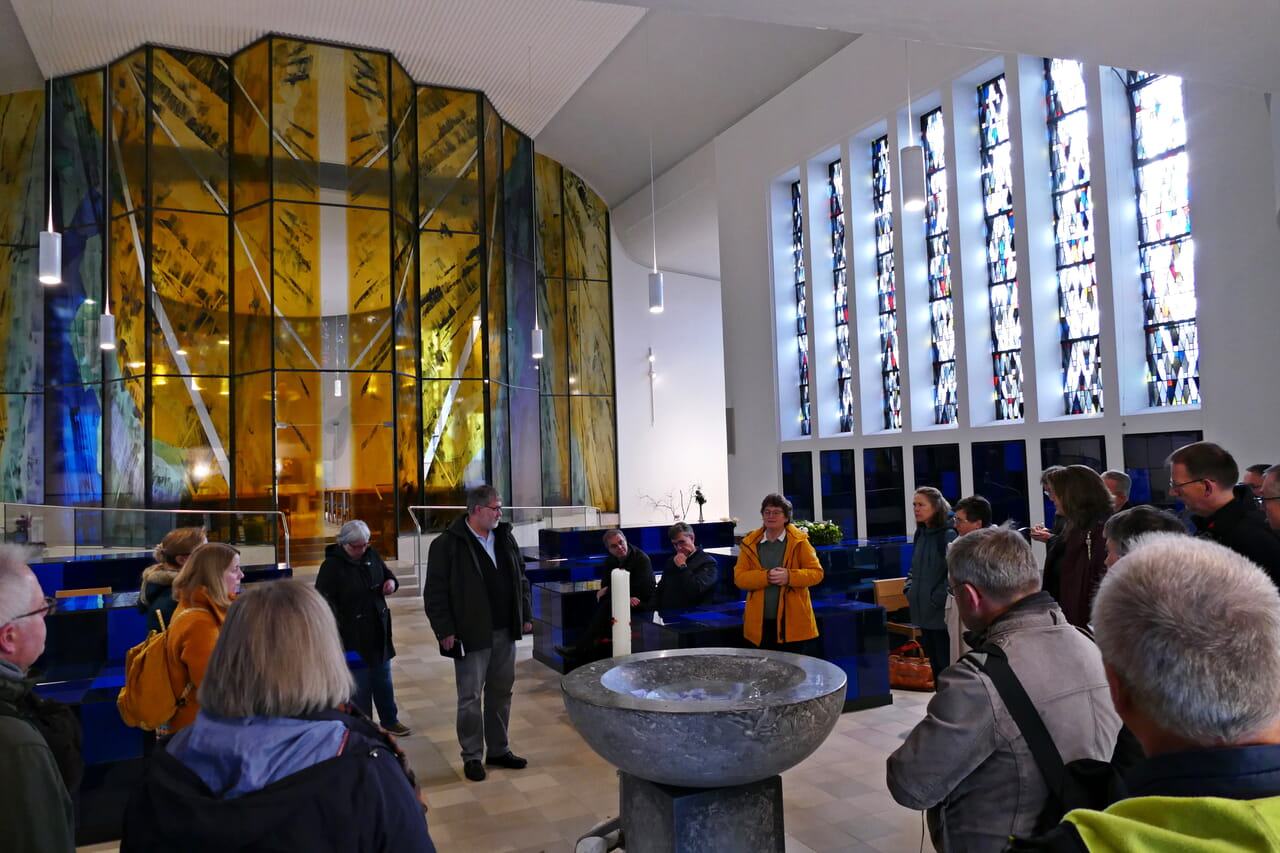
(587, 78)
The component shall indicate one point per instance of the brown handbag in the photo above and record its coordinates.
(909, 668)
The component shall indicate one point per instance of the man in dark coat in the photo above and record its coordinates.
(1203, 476)
(689, 578)
(637, 565)
(355, 581)
(477, 598)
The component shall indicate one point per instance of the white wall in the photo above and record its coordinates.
(1237, 244)
(684, 443)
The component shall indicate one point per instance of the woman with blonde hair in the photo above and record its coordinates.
(926, 585)
(1077, 558)
(272, 762)
(155, 594)
(205, 587)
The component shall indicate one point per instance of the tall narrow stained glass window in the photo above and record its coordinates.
(1002, 255)
(844, 363)
(1166, 250)
(1068, 125)
(886, 282)
(802, 308)
(941, 309)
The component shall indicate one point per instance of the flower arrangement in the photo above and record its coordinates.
(821, 532)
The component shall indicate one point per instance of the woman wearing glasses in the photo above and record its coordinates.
(204, 588)
(776, 566)
(355, 581)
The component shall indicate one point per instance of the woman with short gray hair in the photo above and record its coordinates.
(355, 581)
(274, 760)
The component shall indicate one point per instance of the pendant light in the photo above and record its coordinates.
(655, 277)
(50, 240)
(911, 158)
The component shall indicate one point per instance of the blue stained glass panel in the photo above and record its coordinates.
(938, 251)
(802, 307)
(844, 365)
(886, 284)
(995, 152)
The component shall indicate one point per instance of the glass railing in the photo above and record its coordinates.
(62, 531)
(525, 522)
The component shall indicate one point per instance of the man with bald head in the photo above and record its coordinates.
(38, 812)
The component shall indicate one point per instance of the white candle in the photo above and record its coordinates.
(620, 592)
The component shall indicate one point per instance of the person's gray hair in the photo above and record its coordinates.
(1126, 526)
(1192, 631)
(1122, 480)
(278, 655)
(478, 496)
(15, 576)
(996, 560)
(1272, 487)
(610, 533)
(679, 529)
(354, 530)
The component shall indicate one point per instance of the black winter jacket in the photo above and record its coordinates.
(691, 586)
(455, 596)
(1242, 527)
(353, 589)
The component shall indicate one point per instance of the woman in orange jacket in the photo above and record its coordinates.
(776, 566)
(209, 580)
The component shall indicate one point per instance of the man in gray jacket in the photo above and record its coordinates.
(966, 762)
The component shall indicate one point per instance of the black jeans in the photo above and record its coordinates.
(936, 643)
(769, 640)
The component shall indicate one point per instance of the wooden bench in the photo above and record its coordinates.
(889, 594)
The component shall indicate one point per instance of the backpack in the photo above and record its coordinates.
(1085, 783)
(146, 701)
(60, 729)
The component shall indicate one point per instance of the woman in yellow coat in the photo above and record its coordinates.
(205, 587)
(776, 566)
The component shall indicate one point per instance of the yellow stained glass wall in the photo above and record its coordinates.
(324, 279)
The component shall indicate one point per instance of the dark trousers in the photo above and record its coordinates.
(769, 640)
(600, 626)
(373, 687)
(936, 643)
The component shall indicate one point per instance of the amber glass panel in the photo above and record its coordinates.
(297, 286)
(295, 95)
(404, 150)
(127, 154)
(590, 338)
(408, 447)
(368, 288)
(251, 319)
(250, 117)
(189, 134)
(450, 274)
(496, 280)
(368, 144)
(372, 448)
(253, 421)
(586, 231)
(453, 435)
(555, 450)
(405, 283)
(190, 320)
(22, 147)
(190, 432)
(594, 452)
(298, 450)
(448, 160)
(553, 307)
(22, 448)
(548, 189)
(127, 295)
(78, 151)
(123, 452)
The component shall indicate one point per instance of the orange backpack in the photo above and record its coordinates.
(146, 701)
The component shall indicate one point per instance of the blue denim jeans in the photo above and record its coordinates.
(373, 687)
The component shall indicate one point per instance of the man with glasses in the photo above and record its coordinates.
(38, 812)
(1269, 496)
(689, 579)
(477, 598)
(589, 646)
(1203, 476)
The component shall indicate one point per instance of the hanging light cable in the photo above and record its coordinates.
(911, 158)
(535, 341)
(655, 277)
(50, 240)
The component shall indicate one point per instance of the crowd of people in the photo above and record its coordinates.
(1123, 694)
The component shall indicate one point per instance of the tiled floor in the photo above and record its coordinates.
(835, 800)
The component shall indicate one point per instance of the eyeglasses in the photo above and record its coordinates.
(1264, 499)
(358, 546)
(497, 508)
(953, 589)
(1174, 486)
(50, 605)
(773, 512)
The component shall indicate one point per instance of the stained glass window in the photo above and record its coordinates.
(844, 364)
(886, 284)
(1068, 125)
(1165, 246)
(802, 307)
(937, 240)
(1002, 254)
